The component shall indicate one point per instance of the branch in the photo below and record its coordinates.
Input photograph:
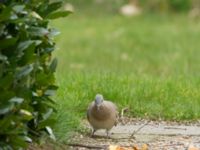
(122, 114)
(88, 146)
(136, 131)
(177, 128)
(122, 111)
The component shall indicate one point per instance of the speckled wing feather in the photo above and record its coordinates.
(89, 110)
(112, 105)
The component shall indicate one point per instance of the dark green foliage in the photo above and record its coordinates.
(180, 5)
(166, 5)
(26, 70)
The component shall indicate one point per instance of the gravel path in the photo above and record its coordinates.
(158, 135)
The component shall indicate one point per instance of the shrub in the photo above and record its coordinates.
(27, 79)
(166, 5)
(180, 5)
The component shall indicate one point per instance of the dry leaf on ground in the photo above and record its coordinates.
(135, 147)
(193, 148)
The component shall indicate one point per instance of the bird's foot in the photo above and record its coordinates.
(92, 134)
(108, 134)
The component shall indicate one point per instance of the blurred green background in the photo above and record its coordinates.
(112, 6)
(147, 60)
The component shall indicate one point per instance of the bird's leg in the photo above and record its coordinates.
(93, 131)
(108, 134)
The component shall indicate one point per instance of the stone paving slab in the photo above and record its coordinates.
(157, 130)
(152, 129)
(158, 135)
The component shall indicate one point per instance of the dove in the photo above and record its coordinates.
(102, 114)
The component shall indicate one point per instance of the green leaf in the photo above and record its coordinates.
(5, 123)
(18, 8)
(53, 65)
(13, 17)
(6, 95)
(5, 43)
(24, 45)
(50, 132)
(44, 79)
(36, 15)
(4, 58)
(53, 87)
(18, 141)
(29, 55)
(17, 100)
(4, 109)
(2, 28)
(28, 139)
(47, 114)
(24, 71)
(6, 81)
(6, 14)
(54, 6)
(53, 32)
(48, 103)
(25, 114)
(45, 123)
(24, 92)
(49, 92)
(38, 31)
(49, 49)
(46, 98)
(58, 14)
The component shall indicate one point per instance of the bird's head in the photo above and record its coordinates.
(98, 100)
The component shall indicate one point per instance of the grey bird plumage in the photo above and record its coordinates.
(102, 114)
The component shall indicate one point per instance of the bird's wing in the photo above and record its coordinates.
(88, 114)
(112, 105)
(89, 110)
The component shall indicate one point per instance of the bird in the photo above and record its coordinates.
(102, 114)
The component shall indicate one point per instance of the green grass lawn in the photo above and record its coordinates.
(149, 63)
